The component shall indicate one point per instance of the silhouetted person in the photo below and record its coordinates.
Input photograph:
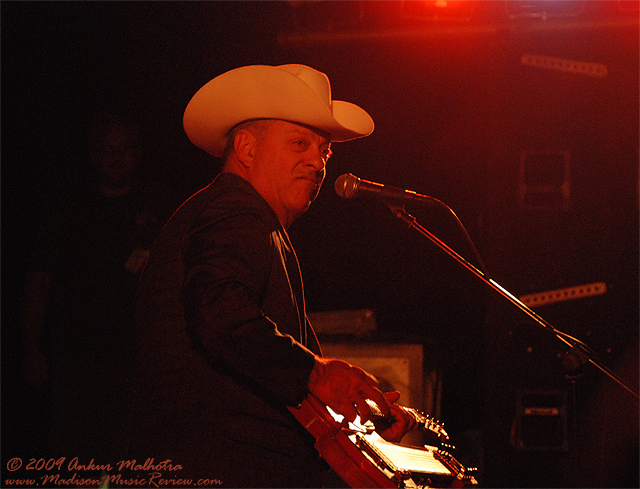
(79, 328)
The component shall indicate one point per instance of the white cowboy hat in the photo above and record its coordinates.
(294, 93)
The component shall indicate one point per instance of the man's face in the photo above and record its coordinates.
(289, 167)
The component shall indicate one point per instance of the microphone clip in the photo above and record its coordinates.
(401, 213)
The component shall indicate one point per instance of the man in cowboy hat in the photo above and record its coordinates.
(225, 344)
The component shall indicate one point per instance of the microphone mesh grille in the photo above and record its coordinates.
(347, 186)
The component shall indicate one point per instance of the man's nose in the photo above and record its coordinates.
(317, 160)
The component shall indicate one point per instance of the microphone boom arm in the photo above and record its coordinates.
(584, 352)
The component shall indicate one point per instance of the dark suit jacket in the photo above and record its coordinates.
(224, 346)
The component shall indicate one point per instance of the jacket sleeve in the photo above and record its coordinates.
(228, 265)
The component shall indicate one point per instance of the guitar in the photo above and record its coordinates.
(365, 460)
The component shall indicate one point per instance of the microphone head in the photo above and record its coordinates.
(347, 185)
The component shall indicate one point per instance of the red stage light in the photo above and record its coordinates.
(438, 9)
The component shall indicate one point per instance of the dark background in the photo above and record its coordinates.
(455, 109)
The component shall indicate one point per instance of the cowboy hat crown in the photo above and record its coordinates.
(294, 93)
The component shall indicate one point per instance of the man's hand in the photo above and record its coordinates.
(403, 421)
(345, 388)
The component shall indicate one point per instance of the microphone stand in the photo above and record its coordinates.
(578, 353)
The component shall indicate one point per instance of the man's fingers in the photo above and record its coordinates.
(343, 386)
(374, 394)
(363, 409)
(392, 397)
(349, 412)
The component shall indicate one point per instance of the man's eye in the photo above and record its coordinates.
(300, 144)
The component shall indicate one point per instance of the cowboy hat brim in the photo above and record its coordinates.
(269, 92)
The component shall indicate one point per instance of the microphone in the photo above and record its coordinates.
(348, 186)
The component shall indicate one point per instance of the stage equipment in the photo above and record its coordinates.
(567, 294)
(541, 421)
(356, 322)
(349, 186)
(564, 65)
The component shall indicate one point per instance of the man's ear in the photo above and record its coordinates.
(244, 145)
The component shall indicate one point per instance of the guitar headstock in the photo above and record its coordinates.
(430, 425)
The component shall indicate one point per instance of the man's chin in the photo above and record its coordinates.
(298, 209)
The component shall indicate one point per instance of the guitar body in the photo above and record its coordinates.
(362, 463)
(337, 449)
